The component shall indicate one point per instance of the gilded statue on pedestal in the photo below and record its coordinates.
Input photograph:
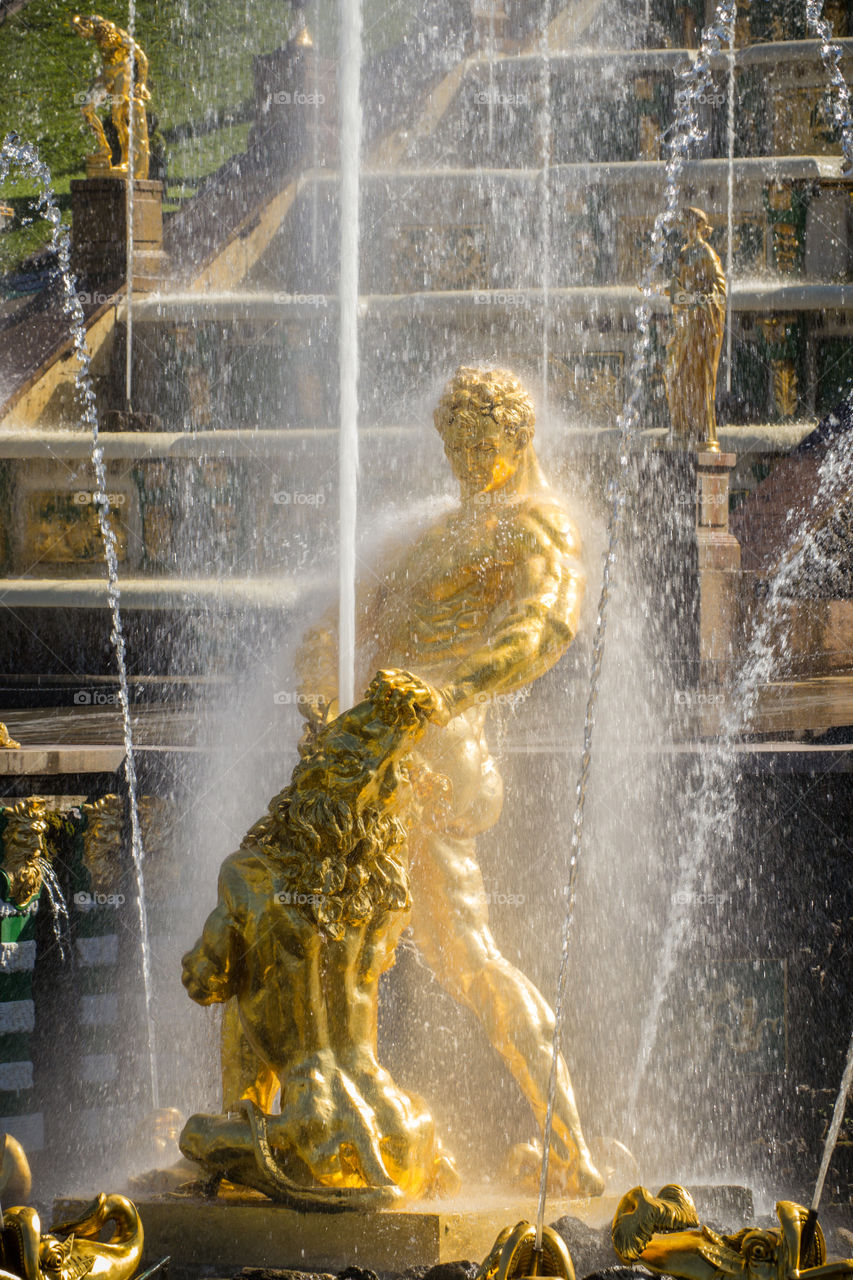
(663, 1232)
(698, 297)
(309, 914)
(7, 742)
(121, 82)
(481, 604)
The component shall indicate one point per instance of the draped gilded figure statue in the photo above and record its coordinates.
(483, 602)
(698, 297)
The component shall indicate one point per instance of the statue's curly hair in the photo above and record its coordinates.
(343, 867)
(474, 393)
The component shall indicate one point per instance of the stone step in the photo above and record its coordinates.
(263, 444)
(218, 594)
(276, 358)
(437, 230)
(621, 102)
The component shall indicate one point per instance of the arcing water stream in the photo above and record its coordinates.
(683, 133)
(23, 156)
(714, 808)
(730, 196)
(350, 152)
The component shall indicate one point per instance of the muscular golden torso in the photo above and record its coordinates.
(488, 596)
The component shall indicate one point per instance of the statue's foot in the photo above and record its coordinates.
(334, 1145)
(617, 1164)
(575, 1179)
(585, 1180)
(410, 1148)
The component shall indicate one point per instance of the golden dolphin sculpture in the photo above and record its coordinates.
(664, 1233)
(72, 1249)
(514, 1256)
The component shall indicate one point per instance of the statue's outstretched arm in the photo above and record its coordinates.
(533, 632)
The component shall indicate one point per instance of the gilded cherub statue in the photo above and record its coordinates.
(698, 297)
(483, 602)
(7, 742)
(122, 83)
(72, 1250)
(309, 914)
(663, 1232)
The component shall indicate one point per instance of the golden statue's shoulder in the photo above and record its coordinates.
(545, 521)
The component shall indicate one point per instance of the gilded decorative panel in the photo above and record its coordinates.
(802, 121)
(62, 528)
(733, 1015)
(590, 384)
(439, 258)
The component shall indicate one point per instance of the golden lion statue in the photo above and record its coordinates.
(309, 914)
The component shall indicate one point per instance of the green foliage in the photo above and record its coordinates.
(200, 59)
(200, 74)
(200, 56)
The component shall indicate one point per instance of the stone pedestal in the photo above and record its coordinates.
(718, 566)
(491, 25)
(240, 1229)
(99, 233)
(296, 108)
(692, 562)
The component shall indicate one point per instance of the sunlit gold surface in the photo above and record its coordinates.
(698, 297)
(24, 855)
(514, 1255)
(663, 1232)
(72, 1250)
(480, 604)
(16, 1181)
(6, 740)
(309, 913)
(121, 83)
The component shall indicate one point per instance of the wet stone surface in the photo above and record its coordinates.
(461, 1270)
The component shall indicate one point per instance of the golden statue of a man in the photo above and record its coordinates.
(121, 82)
(698, 297)
(483, 602)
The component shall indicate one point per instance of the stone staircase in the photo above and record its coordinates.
(509, 222)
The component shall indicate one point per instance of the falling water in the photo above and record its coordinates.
(26, 157)
(545, 126)
(834, 1127)
(714, 810)
(350, 149)
(129, 188)
(830, 52)
(490, 53)
(56, 898)
(315, 158)
(682, 134)
(730, 198)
